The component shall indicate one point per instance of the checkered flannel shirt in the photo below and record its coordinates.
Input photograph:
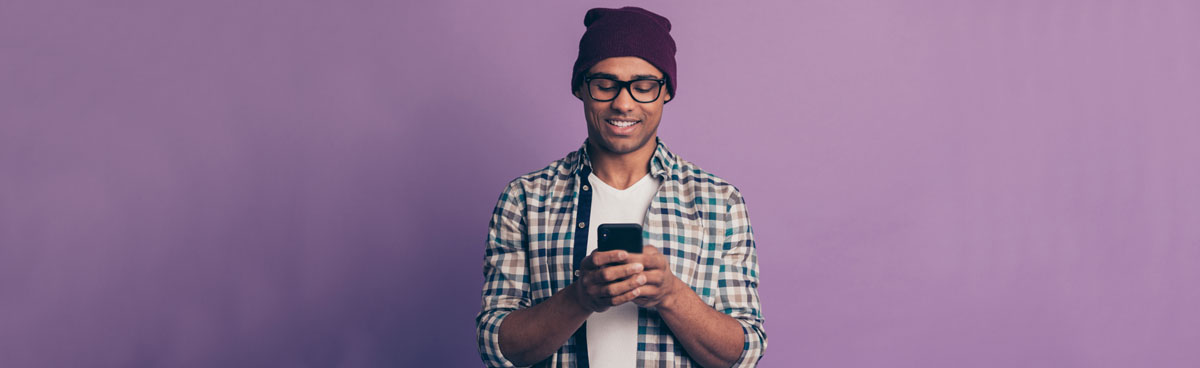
(697, 219)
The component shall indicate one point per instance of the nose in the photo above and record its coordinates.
(624, 101)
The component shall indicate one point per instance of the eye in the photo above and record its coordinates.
(604, 84)
(645, 86)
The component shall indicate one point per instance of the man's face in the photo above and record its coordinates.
(605, 119)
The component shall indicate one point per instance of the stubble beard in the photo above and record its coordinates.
(616, 148)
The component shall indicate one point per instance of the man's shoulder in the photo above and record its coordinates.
(546, 178)
(701, 181)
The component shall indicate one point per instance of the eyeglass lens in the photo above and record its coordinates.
(641, 90)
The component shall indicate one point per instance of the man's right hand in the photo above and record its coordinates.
(607, 280)
(529, 335)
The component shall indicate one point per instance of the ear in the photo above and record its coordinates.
(577, 94)
(668, 97)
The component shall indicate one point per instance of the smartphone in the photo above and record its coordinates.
(627, 237)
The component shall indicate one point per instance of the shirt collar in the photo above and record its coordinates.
(661, 164)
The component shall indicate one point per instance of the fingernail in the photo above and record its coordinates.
(641, 279)
(637, 292)
(622, 255)
(637, 267)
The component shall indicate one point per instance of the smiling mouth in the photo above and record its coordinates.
(622, 123)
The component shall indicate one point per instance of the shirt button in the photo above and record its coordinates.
(581, 225)
(585, 187)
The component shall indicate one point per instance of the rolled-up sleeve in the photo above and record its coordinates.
(738, 282)
(506, 277)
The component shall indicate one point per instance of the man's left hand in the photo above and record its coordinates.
(662, 287)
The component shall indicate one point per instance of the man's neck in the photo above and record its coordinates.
(621, 171)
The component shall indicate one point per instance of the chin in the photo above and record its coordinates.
(621, 149)
(624, 146)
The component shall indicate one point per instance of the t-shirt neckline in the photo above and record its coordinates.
(596, 181)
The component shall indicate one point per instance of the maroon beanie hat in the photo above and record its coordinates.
(628, 31)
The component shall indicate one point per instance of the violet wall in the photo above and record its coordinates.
(308, 184)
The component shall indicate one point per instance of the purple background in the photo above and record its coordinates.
(266, 183)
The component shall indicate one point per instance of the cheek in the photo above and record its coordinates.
(654, 112)
(592, 109)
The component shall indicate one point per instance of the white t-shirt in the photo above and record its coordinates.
(612, 335)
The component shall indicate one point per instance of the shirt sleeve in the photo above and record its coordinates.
(738, 282)
(506, 277)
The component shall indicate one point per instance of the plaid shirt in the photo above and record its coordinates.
(698, 221)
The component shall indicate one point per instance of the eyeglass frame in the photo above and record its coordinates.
(624, 85)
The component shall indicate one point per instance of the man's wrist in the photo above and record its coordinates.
(681, 294)
(575, 298)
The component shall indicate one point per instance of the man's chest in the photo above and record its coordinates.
(689, 229)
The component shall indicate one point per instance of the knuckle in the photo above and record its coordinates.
(624, 298)
(611, 274)
(653, 276)
(612, 290)
(635, 268)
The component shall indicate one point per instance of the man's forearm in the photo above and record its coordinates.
(530, 335)
(712, 338)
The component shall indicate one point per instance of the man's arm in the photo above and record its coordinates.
(738, 295)
(530, 335)
(510, 331)
(711, 338)
(729, 333)
(506, 281)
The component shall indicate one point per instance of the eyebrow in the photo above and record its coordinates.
(613, 77)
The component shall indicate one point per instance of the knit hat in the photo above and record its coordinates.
(628, 31)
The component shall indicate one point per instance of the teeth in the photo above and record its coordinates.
(622, 123)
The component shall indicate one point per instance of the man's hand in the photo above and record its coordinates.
(661, 286)
(608, 279)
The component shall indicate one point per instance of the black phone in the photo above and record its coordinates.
(627, 237)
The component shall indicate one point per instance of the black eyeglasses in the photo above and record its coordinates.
(604, 89)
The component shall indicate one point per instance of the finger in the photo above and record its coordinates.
(650, 259)
(599, 259)
(657, 260)
(655, 277)
(647, 295)
(596, 277)
(618, 288)
(626, 297)
(607, 257)
(609, 274)
(588, 262)
(621, 271)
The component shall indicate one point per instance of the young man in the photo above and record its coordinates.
(688, 299)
